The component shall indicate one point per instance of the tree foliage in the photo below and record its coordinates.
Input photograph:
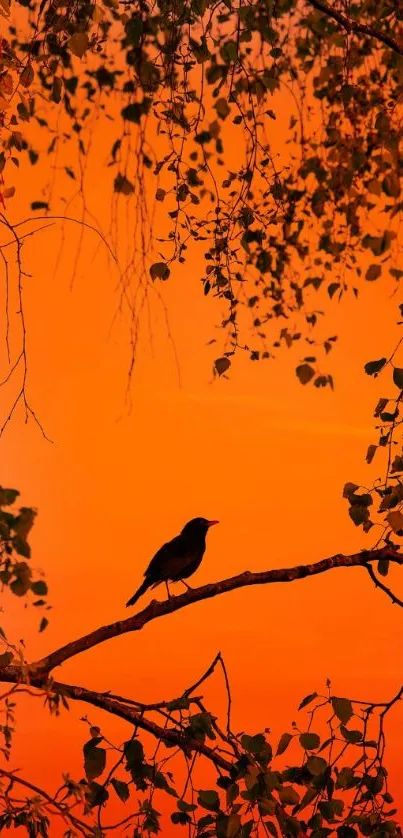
(265, 134)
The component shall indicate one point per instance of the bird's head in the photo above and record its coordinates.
(198, 526)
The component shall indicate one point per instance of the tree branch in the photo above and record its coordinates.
(160, 609)
(378, 584)
(354, 26)
(167, 735)
(133, 715)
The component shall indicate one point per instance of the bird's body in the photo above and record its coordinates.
(177, 559)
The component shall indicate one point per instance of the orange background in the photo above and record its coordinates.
(261, 453)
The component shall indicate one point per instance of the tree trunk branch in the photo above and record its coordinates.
(159, 609)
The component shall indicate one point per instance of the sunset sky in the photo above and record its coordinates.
(261, 453)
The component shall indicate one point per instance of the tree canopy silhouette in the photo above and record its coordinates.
(262, 135)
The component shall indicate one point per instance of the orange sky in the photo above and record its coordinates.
(261, 453)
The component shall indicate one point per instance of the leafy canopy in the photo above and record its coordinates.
(266, 134)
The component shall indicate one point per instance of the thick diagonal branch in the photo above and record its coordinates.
(354, 26)
(160, 609)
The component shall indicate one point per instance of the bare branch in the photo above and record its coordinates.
(378, 584)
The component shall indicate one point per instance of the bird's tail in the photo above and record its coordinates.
(141, 590)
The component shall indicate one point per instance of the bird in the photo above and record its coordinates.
(176, 560)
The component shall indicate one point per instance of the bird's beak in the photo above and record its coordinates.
(211, 523)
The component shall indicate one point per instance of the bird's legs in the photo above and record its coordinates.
(189, 587)
(168, 591)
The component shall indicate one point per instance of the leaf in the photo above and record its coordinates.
(160, 195)
(349, 489)
(39, 205)
(186, 807)
(380, 407)
(332, 288)
(180, 817)
(78, 44)
(8, 496)
(6, 658)
(283, 744)
(95, 731)
(9, 192)
(159, 270)
(97, 14)
(22, 583)
(373, 273)
(161, 782)
(122, 789)
(134, 111)
(307, 700)
(343, 708)
(288, 796)
(391, 185)
(352, 736)
(397, 464)
(358, 514)
(222, 107)
(395, 520)
(134, 753)
(383, 567)
(27, 76)
(304, 373)
(398, 377)
(316, 765)
(233, 826)
(97, 795)
(134, 29)
(345, 778)
(56, 90)
(42, 625)
(209, 800)
(374, 187)
(94, 758)
(229, 52)
(39, 588)
(221, 365)
(309, 741)
(309, 795)
(370, 453)
(123, 185)
(373, 367)
(24, 521)
(232, 793)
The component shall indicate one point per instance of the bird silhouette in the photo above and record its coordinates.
(178, 559)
